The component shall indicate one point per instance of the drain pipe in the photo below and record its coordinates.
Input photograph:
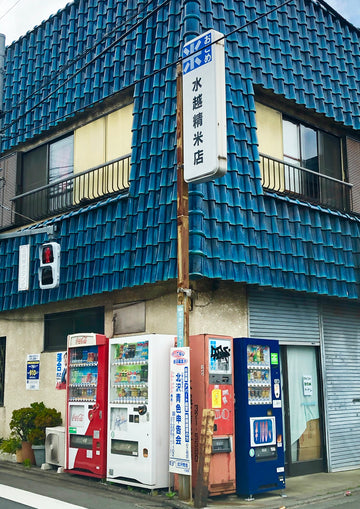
(2, 69)
(2, 75)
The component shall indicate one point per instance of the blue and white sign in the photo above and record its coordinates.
(33, 372)
(180, 417)
(197, 53)
(204, 108)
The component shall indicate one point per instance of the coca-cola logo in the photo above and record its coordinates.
(77, 417)
(81, 341)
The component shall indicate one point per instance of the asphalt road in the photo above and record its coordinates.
(32, 486)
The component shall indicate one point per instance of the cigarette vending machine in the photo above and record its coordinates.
(139, 405)
(212, 387)
(258, 417)
(86, 404)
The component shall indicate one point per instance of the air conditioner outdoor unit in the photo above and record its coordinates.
(55, 446)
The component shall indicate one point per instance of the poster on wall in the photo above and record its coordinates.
(33, 372)
(61, 369)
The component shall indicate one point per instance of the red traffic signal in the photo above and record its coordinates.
(49, 270)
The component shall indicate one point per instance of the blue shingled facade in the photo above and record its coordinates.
(301, 52)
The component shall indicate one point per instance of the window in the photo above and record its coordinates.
(299, 159)
(2, 369)
(44, 165)
(59, 325)
(61, 165)
(317, 151)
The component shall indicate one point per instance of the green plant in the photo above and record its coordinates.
(46, 418)
(28, 424)
(27, 463)
(10, 445)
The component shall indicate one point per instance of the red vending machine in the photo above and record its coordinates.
(212, 387)
(87, 404)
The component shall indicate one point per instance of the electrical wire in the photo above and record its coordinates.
(47, 81)
(10, 9)
(133, 84)
(114, 43)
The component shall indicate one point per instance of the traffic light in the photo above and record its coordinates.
(49, 270)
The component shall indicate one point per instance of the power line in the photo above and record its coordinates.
(47, 81)
(10, 9)
(114, 43)
(148, 76)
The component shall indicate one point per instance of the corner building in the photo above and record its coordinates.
(88, 148)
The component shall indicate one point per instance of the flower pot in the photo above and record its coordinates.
(25, 453)
(39, 454)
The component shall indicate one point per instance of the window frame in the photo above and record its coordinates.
(72, 318)
(301, 125)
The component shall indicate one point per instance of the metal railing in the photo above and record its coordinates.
(73, 191)
(285, 178)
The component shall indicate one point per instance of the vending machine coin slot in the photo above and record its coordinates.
(218, 379)
(221, 445)
(265, 453)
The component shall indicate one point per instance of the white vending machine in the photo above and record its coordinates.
(138, 416)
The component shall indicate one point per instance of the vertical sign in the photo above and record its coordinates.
(33, 372)
(24, 267)
(180, 325)
(180, 419)
(61, 369)
(204, 108)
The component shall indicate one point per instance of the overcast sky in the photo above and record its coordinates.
(19, 16)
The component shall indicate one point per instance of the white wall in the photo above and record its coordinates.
(221, 311)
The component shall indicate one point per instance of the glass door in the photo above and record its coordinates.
(304, 452)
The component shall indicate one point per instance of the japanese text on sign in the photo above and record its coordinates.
(33, 372)
(204, 105)
(180, 424)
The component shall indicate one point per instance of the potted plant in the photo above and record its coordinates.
(28, 425)
(46, 418)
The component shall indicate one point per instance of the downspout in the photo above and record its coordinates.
(2, 74)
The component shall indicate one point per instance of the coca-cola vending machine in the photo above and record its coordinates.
(87, 404)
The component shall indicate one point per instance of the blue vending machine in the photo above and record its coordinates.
(259, 441)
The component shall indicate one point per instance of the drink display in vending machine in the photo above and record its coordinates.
(212, 387)
(258, 417)
(87, 404)
(138, 416)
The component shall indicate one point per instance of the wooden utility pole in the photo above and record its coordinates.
(183, 283)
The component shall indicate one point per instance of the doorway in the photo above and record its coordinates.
(303, 424)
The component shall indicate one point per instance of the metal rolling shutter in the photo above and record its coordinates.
(342, 384)
(286, 316)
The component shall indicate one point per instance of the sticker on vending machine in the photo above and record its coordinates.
(216, 398)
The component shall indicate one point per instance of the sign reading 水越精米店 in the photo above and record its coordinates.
(204, 108)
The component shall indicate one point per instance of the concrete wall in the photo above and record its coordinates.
(216, 311)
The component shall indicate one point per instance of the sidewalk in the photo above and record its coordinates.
(300, 491)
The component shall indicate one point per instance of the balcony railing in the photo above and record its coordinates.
(308, 185)
(73, 191)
